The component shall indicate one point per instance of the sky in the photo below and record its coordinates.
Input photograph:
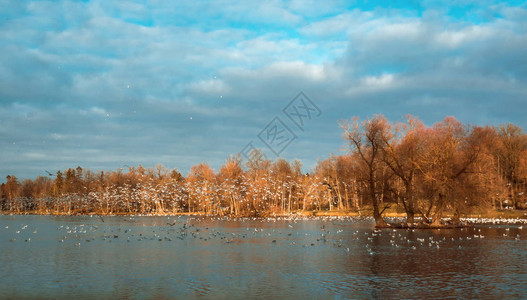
(110, 84)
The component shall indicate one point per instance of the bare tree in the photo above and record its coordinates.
(365, 139)
(400, 148)
(511, 143)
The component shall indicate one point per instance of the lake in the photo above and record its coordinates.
(220, 258)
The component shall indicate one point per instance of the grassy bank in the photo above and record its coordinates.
(399, 212)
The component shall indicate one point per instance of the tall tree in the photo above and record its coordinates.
(12, 190)
(201, 186)
(400, 148)
(511, 143)
(365, 140)
(445, 163)
(231, 184)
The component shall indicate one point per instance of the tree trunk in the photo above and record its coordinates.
(289, 201)
(436, 219)
(410, 210)
(379, 221)
(347, 204)
(330, 201)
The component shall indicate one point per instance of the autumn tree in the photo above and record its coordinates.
(11, 191)
(336, 173)
(311, 191)
(260, 196)
(491, 186)
(58, 184)
(445, 163)
(401, 144)
(282, 179)
(231, 177)
(202, 189)
(510, 144)
(365, 140)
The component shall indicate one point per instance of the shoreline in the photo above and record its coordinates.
(520, 215)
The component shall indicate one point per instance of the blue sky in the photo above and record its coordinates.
(106, 84)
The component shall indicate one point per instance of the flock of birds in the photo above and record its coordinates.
(334, 232)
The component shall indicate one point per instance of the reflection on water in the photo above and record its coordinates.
(187, 257)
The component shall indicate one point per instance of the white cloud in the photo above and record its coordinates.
(471, 34)
(98, 111)
(280, 70)
(210, 86)
(57, 136)
(383, 81)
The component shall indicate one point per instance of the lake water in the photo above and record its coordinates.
(191, 257)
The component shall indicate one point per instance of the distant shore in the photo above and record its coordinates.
(390, 213)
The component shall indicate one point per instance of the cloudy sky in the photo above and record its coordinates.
(108, 84)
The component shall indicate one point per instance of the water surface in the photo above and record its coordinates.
(189, 257)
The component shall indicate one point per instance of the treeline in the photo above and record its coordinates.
(427, 171)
